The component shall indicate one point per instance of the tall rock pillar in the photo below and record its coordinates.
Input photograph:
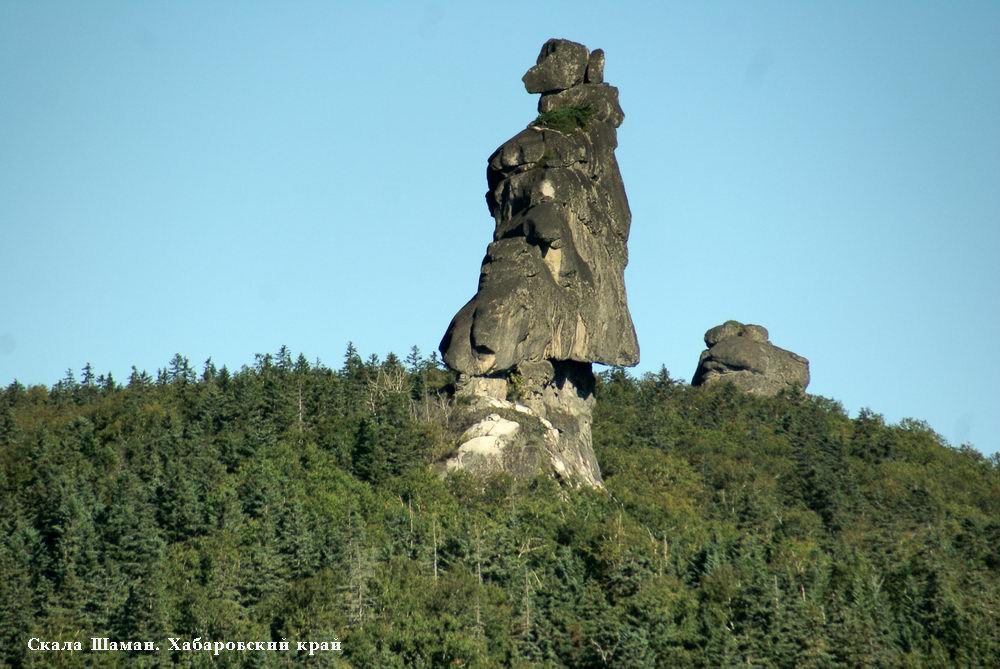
(551, 297)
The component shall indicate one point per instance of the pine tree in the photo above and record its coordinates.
(179, 370)
(87, 380)
(209, 371)
(283, 359)
(414, 360)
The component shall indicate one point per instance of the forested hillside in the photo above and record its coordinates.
(288, 500)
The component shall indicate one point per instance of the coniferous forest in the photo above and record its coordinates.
(289, 500)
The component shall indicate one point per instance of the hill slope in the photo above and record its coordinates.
(292, 501)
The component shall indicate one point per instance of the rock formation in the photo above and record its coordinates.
(551, 297)
(743, 355)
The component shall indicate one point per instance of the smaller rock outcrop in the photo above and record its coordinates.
(743, 355)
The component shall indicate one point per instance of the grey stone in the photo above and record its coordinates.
(486, 386)
(534, 374)
(560, 65)
(499, 444)
(567, 401)
(602, 99)
(544, 429)
(595, 67)
(551, 285)
(551, 297)
(735, 329)
(505, 437)
(743, 355)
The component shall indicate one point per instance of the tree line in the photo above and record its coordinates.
(291, 500)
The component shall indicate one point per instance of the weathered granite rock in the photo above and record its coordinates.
(563, 394)
(508, 437)
(560, 64)
(595, 67)
(744, 356)
(551, 285)
(495, 444)
(601, 98)
(551, 297)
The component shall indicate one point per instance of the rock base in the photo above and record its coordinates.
(536, 421)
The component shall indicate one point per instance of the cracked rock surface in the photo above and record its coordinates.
(743, 355)
(551, 297)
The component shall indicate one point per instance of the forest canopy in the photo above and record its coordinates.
(289, 500)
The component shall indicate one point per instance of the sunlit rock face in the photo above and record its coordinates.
(551, 296)
(744, 356)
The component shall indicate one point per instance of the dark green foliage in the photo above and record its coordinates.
(289, 500)
(565, 119)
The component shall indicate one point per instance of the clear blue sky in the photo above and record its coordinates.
(219, 179)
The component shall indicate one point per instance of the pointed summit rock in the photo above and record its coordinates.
(551, 297)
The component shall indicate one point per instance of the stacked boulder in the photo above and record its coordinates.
(551, 297)
(744, 356)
